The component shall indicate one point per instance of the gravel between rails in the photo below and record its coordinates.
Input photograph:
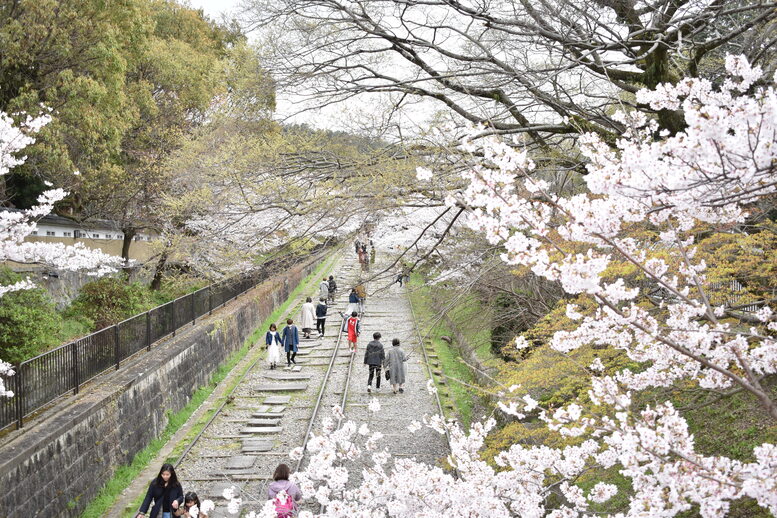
(218, 459)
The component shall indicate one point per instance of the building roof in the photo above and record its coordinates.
(92, 224)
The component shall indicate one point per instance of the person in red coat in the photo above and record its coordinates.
(353, 327)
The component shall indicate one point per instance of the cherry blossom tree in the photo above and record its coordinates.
(711, 175)
(16, 225)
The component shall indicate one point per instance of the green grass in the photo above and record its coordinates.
(125, 475)
(72, 328)
(460, 395)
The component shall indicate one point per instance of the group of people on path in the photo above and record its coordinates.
(166, 493)
(392, 361)
(288, 340)
(365, 259)
(314, 316)
(168, 497)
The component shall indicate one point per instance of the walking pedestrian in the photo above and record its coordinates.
(190, 501)
(372, 254)
(373, 357)
(323, 289)
(272, 339)
(321, 316)
(353, 302)
(395, 364)
(365, 260)
(361, 291)
(332, 288)
(307, 317)
(353, 327)
(290, 341)
(285, 505)
(165, 491)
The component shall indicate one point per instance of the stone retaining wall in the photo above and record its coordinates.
(58, 463)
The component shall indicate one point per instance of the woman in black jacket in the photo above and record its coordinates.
(165, 491)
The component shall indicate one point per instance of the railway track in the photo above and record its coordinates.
(267, 413)
(270, 412)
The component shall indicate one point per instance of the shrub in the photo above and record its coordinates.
(110, 300)
(29, 323)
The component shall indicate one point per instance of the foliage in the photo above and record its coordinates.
(29, 323)
(110, 300)
(15, 226)
(461, 395)
(650, 312)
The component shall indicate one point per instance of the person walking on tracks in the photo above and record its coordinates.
(373, 357)
(272, 339)
(323, 289)
(321, 316)
(353, 327)
(353, 302)
(332, 288)
(165, 491)
(285, 505)
(290, 341)
(395, 365)
(361, 292)
(308, 317)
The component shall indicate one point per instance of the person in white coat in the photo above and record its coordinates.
(308, 318)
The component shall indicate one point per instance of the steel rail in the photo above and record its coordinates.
(428, 367)
(227, 399)
(321, 391)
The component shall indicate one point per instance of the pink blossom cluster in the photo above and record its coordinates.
(722, 162)
(709, 173)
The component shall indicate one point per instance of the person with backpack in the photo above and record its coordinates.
(321, 309)
(332, 288)
(353, 327)
(284, 493)
(361, 292)
(290, 341)
(373, 357)
(165, 491)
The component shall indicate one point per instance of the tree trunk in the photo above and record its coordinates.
(156, 282)
(129, 234)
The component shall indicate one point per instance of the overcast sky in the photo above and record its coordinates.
(349, 116)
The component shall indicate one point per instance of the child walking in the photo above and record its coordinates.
(273, 342)
(285, 505)
(353, 327)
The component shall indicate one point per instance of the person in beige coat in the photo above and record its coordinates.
(307, 319)
(394, 363)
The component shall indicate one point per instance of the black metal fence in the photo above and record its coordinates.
(40, 380)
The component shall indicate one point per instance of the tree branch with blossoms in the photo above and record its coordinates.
(670, 186)
(15, 226)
